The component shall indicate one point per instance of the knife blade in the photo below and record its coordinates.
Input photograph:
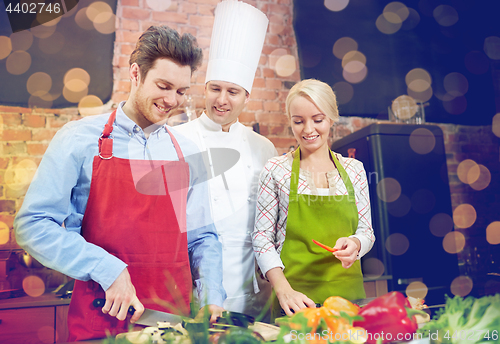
(149, 317)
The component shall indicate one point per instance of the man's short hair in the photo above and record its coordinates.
(163, 42)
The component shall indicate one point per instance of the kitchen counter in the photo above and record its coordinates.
(47, 299)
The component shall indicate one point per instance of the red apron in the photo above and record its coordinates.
(140, 227)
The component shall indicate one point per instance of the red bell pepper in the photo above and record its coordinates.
(389, 317)
(328, 248)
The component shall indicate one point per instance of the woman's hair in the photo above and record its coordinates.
(319, 93)
(163, 42)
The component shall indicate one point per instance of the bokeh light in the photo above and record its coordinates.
(461, 286)
(454, 242)
(483, 178)
(159, 5)
(33, 286)
(42, 31)
(21, 40)
(412, 21)
(404, 107)
(90, 105)
(397, 244)
(286, 65)
(423, 201)
(455, 106)
(40, 102)
(396, 12)
(20, 175)
(422, 141)
(385, 26)
(82, 20)
(105, 23)
(39, 84)
(388, 189)
(74, 96)
(275, 55)
(354, 56)
(476, 62)
(463, 170)
(441, 224)
(344, 92)
(418, 80)
(495, 125)
(445, 15)
(336, 5)
(5, 47)
(464, 216)
(373, 268)
(52, 44)
(45, 334)
(420, 96)
(344, 45)
(77, 74)
(456, 84)
(399, 207)
(417, 290)
(492, 47)
(493, 233)
(355, 77)
(4, 233)
(43, 17)
(18, 62)
(96, 8)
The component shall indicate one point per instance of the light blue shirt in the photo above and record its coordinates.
(48, 225)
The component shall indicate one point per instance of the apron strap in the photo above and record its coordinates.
(106, 139)
(176, 145)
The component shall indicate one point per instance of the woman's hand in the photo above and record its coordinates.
(290, 300)
(348, 249)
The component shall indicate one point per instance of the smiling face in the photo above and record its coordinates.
(153, 98)
(224, 102)
(310, 126)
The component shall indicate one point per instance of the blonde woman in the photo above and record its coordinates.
(312, 193)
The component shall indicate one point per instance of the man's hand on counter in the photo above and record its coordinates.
(213, 310)
(120, 296)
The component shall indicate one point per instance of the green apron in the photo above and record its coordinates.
(309, 268)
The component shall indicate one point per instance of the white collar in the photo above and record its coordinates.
(212, 126)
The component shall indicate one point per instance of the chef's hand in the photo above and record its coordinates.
(213, 310)
(120, 296)
(348, 249)
(289, 298)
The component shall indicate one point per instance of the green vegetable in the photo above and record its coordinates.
(465, 321)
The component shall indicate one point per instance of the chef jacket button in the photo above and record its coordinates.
(249, 199)
(136, 129)
(129, 134)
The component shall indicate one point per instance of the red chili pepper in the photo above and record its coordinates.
(389, 316)
(328, 248)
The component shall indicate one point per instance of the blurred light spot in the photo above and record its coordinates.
(412, 21)
(461, 286)
(18, 62)
(275, 55)
(354, 56)
(105, 23)
(1, 125)
(399, 207)
(373, 268)
(455, 106)
(97, 8)
(396, 12)
(21, 40)
(422, 201)
(483, 178)
(422, 141)
(40, 102)
(353, 67)
(33, 286)
(441, 224)
(385, 26)
(42, 31)
(456, 84)
(344, 45)
(417, 290)
(159, 5)
(454, 242)
(493, 233)
(356, 77)
(420, 96)
(310, 56)
(388, 189)
(43, 17)
(39, 84)
(492, 47)
(404, 107)
(4, 233)
(20, 175)
(445, 15)
(77, 73)
(464, 216)
(46, 334)
(82, 20)
(285, 65)
(90, 105)
(476, 62)
(75, 85)
(5, 47)
(463, 170)
(397, 244)
(74, 96)
(418, 80)
(336, 5)
(344, 92)
(495, 125)
(392, 18)
(52, 44)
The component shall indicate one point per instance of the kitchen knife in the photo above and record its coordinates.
(149, 317)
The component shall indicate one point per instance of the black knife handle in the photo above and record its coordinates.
(99, 303)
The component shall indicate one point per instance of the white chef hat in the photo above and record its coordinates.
(237, 39)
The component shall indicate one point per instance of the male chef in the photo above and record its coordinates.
(237, 39)
(109, 201)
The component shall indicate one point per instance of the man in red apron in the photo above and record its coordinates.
(108, 206)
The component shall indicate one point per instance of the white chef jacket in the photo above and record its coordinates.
(233, 209)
